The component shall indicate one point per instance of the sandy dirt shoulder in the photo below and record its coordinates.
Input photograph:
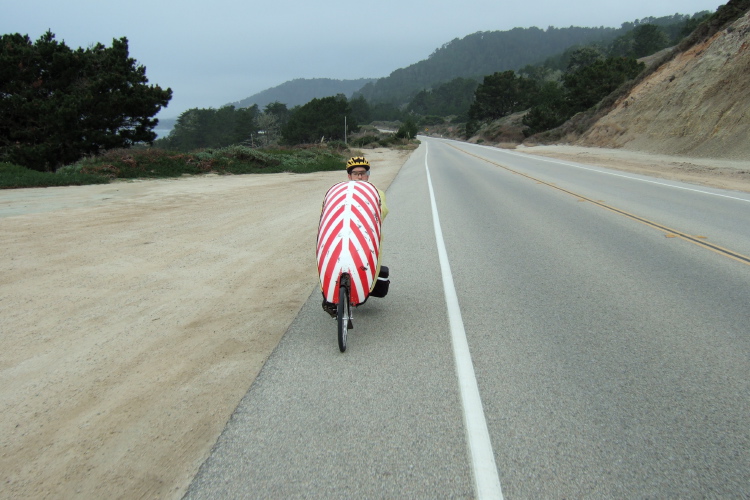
(724, 174)
(134, 316)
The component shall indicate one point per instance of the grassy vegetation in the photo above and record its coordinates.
(157, 163)
(142, 162)
(14, 176)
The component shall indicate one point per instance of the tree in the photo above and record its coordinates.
(641, 41)
(274, 117)
(540, 73)
(451, 98)
(190, 130)
(692, 23)
(361, 112)
(421, 103)
(648, 39)
(268, 126)
(319, 119)
(245, 125)
(591, 84)
(582, 57)
(500, 95)
(385, 112)
(59, 104)
(279, 111)
(408, 130)
(199, 128)
(549, 111)
(581, 89)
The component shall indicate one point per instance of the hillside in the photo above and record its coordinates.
(695, 105)
(472, 57)
(480, 54)
(302, 90)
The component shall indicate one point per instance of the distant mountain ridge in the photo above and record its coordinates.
(302, 90)
(473, 56)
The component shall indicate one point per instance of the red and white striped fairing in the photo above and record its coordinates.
(349, 239)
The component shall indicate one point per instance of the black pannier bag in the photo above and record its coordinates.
(381, 287)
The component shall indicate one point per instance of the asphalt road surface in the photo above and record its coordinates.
(606, 318)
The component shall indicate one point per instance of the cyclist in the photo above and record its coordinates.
(358, 169)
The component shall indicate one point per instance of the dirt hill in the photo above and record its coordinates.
(697, 104)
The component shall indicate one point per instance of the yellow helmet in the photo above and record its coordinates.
(357, 161)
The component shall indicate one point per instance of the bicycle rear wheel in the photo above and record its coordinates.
(343, 316)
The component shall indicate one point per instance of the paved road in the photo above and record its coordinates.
(611, 358)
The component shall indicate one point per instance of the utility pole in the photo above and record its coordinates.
(345, 130)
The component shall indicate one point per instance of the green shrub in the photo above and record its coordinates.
(389, 140)
(364, 140)
(471, 128)
(145, 163)
(339, 146)
(315, 160)
(408, 130)
(158, 163)
(14, 176)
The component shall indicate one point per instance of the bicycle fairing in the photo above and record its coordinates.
(349, 239)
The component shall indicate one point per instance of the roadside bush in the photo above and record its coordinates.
(408, 130)
(339, 146)
(15, 176)
(133, 164)
(157, 163)
(312, 160)
(543, 117)
(364, 140)
(390, 140)
(471, 128)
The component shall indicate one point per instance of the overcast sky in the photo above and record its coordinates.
(214, 52)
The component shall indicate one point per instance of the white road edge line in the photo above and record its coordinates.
(486, 478)
(597, 170)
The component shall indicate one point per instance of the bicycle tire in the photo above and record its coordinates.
(342, 316)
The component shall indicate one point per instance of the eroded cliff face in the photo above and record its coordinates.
(697, 104)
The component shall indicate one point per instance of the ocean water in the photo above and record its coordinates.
(161, 133)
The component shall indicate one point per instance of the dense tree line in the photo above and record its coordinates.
(200, 128)
(319, 119)
(329, 118)
(479, 54)
(212, 128)
(649, 34)
(501, 94)
(58, 104)
(450, 98)
(553, 93)
(550, 103)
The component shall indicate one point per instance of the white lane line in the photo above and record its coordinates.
(486, 479)
(625, 176)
